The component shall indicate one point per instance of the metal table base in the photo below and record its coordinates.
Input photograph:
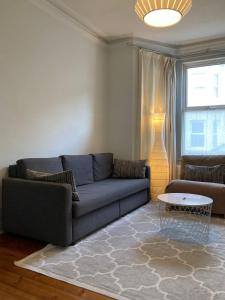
(185, 222)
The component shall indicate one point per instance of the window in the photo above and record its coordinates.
(203, 117)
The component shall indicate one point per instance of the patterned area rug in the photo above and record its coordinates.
(131, 259)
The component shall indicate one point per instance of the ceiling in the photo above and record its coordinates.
(114, 19)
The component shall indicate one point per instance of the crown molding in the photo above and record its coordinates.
(202, 47)
(179, 51)
(59, 10)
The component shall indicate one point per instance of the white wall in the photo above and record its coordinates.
(123, 108)
(53, 85)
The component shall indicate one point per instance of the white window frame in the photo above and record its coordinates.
(184, 91)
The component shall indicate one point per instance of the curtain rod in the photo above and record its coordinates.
(150, 50)
(204, 53)
(185, 56)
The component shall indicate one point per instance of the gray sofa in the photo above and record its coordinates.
(45, 211)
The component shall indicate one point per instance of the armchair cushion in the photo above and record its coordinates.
(201, 160)
(204, 173)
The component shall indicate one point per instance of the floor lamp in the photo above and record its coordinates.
(158, 157)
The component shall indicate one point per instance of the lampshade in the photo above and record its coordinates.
(158, 157)
(162, 13)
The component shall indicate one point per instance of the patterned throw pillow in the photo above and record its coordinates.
(62, 177)
(129, 169)
(204, 173)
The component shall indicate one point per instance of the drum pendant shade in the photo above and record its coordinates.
(162, 13)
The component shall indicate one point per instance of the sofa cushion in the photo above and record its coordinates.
(48, 165)
(62, 177)
(102, 193)
(129, 169)
(82, 168)
(102, 166)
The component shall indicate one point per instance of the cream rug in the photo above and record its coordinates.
(131, 259)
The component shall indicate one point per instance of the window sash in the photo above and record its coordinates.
(184, 84)
(184, 94)
(213, 136)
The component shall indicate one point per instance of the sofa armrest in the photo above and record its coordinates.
(38, 210)
(216, 191)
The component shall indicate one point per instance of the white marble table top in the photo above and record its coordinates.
(185, 199)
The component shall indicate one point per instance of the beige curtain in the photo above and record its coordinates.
(157, 95)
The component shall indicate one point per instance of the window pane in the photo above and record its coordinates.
(204, 132)
(206, 86)
(197, 141)
(197, 126)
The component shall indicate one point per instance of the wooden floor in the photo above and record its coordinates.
(18, 283)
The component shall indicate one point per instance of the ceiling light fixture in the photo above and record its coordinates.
(162, 13)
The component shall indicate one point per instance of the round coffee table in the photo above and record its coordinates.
(185, 216)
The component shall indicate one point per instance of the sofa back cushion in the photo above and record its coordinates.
(47, 165)
(102, 166)
(82, 168)
(201, 160)
(13, 171)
